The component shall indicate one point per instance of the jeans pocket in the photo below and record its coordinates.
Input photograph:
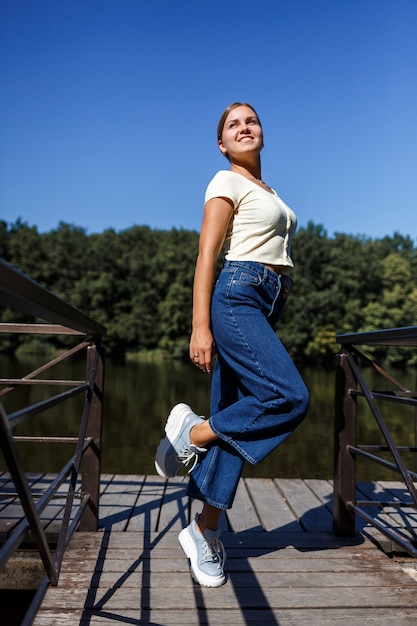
(247, 277)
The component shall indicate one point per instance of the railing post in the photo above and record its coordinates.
(91, 463)
(344, 461)
(415, 432)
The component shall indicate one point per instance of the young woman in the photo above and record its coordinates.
(258, 396)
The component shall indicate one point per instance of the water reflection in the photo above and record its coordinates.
(138, 397)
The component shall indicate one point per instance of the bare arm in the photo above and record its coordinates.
(217, 215)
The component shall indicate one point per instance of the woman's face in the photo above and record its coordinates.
(242, 134)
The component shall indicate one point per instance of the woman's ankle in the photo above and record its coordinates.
(195, 439)
(208, 522)
(201, 435)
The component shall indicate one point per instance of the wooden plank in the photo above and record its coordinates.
(145, 514)
(118, 500)
(12, 514)
(389, 516)
(323, 489)
(141, 577)
(375, 491)
(243, 515)
(397, 488)
(405, 517)
(271, 506)
(229, 596)
(174, 513)
(53, 514)
(92, 546)
(202, 617)
(101, 570)
(50, 517)
(245, 540)
(306, 506)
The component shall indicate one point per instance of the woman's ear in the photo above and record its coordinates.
(221, 147)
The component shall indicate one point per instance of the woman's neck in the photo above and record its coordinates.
(252, 172)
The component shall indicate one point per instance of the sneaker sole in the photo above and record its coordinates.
(189, 549)
(173, 427)
(161, 451)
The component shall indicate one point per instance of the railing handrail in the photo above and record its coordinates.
(404, 336)
(18, 291)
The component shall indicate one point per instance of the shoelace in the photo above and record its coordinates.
(214, 552)
(189, 455)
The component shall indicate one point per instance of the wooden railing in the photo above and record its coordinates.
(350, 386)
(80, 475)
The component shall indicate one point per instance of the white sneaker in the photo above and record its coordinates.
(176, 451)
(206, 553)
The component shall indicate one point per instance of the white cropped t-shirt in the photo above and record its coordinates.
(262, 225)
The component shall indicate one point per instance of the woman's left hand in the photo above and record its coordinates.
(217, 215)
(201, 349)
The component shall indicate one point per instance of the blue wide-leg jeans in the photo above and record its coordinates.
(257, 395)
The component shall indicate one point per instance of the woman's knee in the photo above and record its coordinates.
(302, 398)
(295, 401)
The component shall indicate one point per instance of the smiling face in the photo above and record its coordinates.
(241, 135)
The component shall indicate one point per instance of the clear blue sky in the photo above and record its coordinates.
(109, 109)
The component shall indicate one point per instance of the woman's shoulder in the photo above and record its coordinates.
(227, 177)
(224, 183)
(223, 175)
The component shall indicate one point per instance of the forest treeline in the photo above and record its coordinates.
(138, 283)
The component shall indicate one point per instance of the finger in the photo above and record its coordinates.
(207, 361)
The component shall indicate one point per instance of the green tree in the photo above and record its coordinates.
(138, 283)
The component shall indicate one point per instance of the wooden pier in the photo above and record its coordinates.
(284, 566)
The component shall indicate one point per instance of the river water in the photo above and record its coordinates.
(139, 396)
